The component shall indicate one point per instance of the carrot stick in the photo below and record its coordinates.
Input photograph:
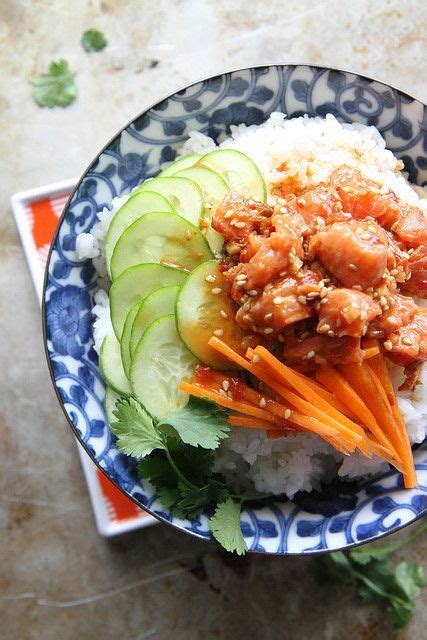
(308, 394)
(379, 369)
(370, 353)
(359, 376)
(336, 383)
(322, 392)
(254, 423)
(225, 401)
(352, 435)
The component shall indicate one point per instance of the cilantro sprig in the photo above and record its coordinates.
(56, 88)
(371, 571)
(176, 456)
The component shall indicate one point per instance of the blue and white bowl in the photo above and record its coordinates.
(341, 516)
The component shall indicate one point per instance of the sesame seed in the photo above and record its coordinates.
(365, 236)
(388, 345)
(283, 210)
(383, 301)
(310, 355)
(210, 278)
(313, 294)
(331, 333)
(363, 315)
(268, 316)
(240, 283)
(281, 338)
(241, 277)
(253, 292)
(324, 301)
(358, 287)
(268, 330)
(225, 385)
(352, 266)
(218, 333)
(287, 414)
(188, 234)
(256, 358)
(247, 318)
(216, 290)
(282, 274)
(262, 403)
(223, 314)
(278, 300)
(324, 292)
(407, 341)
(302, 299)
(324, 328)
(394, 272)
(321, 284)
(239, 225)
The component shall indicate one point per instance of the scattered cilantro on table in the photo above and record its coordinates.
(369, 568)
(56, 88)
(176, 455)
(93, 40)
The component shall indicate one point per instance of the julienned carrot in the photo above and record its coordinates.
(225, 401)
(347, 426)
(351, 436)
(253, 423)
(359, 376)
(273, 434)
(370, 352)
(336, 383)
(379, 368)
(324, 393)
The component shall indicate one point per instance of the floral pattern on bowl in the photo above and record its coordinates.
(342, 515)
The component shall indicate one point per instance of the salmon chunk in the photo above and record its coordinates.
(236, 218)
(417, 264)
(346, 312)
(322, 349)
(409, 344)
(355, 252)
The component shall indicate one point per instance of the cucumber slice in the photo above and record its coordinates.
(186, 196)
(110, 400)
(238, 170)
(110, 365)
(157, 304)
(180, 164)
(164, 238)
(125, 339)
(198, 315)
(136, 283)
(134, 208)
(213, 186)
(161, 360)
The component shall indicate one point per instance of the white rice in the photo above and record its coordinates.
(312, 149)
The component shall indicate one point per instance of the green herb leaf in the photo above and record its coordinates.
(199, 423)
(225, 526)
(56, 88)
(136, 432)
(370, 569)
(93, 40)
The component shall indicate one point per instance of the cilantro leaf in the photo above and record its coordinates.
(136, 432)
(183, 498)
(225, 526)
(93, 40)
(199, 423)
(370, 569)
(56, 88)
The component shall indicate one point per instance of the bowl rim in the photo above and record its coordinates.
(314, 552)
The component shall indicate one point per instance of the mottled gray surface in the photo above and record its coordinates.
(58, 578)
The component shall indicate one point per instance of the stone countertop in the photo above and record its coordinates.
(58, 578)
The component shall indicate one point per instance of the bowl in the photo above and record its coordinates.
(343, 514)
